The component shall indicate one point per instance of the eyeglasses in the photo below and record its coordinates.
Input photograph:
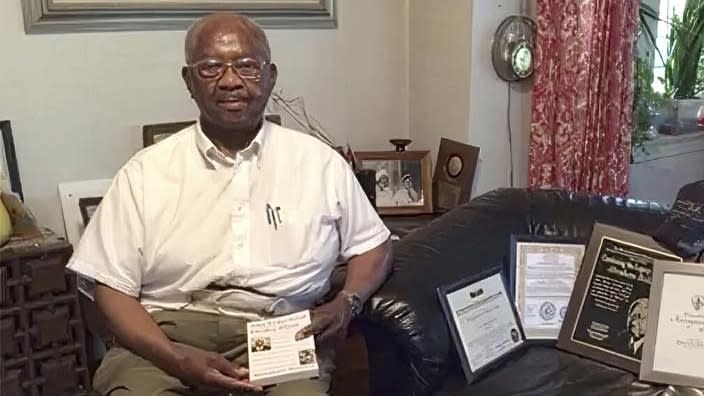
(247, 68)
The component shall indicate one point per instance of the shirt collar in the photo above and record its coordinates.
(216, 158)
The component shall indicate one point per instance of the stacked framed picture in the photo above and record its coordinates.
(541, 275)
(607, 313)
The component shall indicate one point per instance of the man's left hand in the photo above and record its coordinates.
(329, 319)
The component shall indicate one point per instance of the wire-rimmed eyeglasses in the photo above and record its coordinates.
(247, 68)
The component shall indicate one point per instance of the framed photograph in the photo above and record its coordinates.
(454, 174)
(9, 169)
(608, 310)
(154, 133)
(403, 180)
(78, 203)
(483, 322)
(674, 336)
(541, 275)
(63, 16)
(88, 206)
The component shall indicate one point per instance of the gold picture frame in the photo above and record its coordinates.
(154, 133)
(408, 185)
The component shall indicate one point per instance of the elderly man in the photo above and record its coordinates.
(183, 248)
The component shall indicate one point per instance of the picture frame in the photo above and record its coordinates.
(454, 174)
(676, 322)
(557, 260)
(88, 206)
(607, 312)
(403, 180)
(78, 200)
(8, 161)
(154, 133)
(476, 353)
(72, 16)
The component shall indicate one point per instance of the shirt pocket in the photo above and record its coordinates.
(298, 238)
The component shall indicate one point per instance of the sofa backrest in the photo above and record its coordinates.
(475, 238)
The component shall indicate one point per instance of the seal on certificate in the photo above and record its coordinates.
(563, 312)
(547, 310)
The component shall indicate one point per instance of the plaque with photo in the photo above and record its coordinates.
(541, 276)
(483, 323)
(454, 174)
(607, 313)
(674, 337)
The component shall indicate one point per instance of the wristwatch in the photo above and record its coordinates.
(355, 302)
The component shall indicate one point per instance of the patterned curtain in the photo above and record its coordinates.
(583, 95)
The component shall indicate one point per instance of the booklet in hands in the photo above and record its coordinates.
(274, 354)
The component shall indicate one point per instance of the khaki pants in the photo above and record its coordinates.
(123, 373)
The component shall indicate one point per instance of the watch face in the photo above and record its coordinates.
(522, 61)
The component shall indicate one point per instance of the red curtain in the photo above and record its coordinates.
(583, 95)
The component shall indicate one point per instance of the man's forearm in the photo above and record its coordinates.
(366, 272)
(135, 329)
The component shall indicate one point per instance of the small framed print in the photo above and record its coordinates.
(9, 170)
(404, 182)
(483, 322)
(608, 310)
(454, 174)
(88, 206)
(541, 276)
(673, 352)
(154, 133)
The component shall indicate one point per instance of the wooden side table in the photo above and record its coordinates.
(42, 340)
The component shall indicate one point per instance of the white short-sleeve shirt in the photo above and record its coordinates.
(268, 226)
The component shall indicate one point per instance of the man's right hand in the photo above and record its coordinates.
(209, 370)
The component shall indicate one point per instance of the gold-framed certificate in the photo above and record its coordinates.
(482, 321)
(542, 272)
(673, 352)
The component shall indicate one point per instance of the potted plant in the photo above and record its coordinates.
(684, 71)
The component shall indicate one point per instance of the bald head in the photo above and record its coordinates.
(210, 26)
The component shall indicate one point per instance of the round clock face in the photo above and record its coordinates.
(522, 61)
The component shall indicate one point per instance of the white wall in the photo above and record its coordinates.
(455, 93)
(488, 126)
(76, 101)
(439, 72)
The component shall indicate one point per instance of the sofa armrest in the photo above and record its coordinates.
(406, 308)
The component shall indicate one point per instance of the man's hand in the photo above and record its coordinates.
(330, 319)
(209, 370)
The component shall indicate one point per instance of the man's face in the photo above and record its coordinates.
(229, 100)
(638, 322)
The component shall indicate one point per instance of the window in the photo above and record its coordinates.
(668, 8)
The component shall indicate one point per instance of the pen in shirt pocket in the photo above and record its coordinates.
(273, 216)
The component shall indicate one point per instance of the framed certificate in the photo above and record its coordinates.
(483, 322)
(541, 276)
(674, 337)
(608, 309)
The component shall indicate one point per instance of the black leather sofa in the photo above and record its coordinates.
(409, 347)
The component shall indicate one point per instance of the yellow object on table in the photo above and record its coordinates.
(5, 224)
